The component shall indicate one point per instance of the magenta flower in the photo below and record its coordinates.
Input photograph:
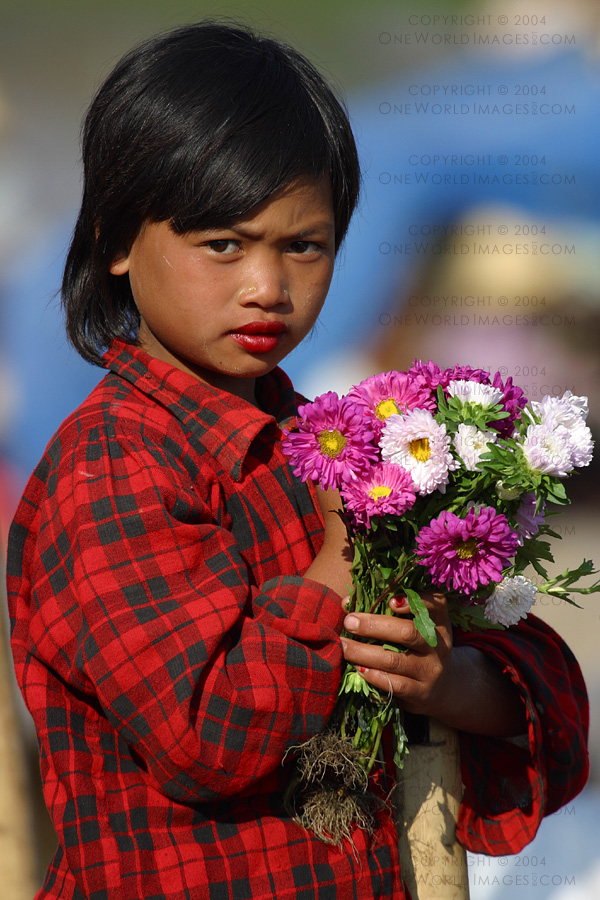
(381, 396)
(385, 490)
(433, 375)
(333, 442)
(464, 554)
(513, 402)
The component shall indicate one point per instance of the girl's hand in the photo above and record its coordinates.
(417, 677)
(460, 686)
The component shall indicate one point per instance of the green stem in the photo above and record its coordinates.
(390, 587)
(378, 736)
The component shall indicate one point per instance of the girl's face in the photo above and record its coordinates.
(227, 305)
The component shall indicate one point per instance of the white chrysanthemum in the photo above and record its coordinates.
(415, 441)
(472, 392)
(568, 410)
(548, 450)
(578, 403)
(512, 599)
(581, 445)
(471, 443)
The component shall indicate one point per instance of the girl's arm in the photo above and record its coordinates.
(332, 565)
(131, 598)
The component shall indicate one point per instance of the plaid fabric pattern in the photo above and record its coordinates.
(171, 652)
(509, 786)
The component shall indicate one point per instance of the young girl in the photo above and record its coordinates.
(175, 592)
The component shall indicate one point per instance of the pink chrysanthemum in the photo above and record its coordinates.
(381, 396)
(463, 554)
(385, 490)
(333, 441)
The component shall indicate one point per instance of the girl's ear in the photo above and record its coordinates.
(119, 265)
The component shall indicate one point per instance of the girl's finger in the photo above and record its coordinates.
(377, 658)
(399, 605)
(384, 629)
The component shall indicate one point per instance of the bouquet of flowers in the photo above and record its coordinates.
(447, 478)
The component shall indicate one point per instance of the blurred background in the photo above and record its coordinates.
(476, 242)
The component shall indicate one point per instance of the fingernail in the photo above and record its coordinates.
(398, 602)
(351, 623)
(345, 602)
(362, 670)
(344, 645)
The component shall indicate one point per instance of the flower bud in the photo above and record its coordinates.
(507, 493)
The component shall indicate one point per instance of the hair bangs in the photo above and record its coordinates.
(258, 158)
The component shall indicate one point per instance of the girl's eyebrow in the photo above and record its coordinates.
(319, 228)
(326, 226)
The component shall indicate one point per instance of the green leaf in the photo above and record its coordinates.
(472, 618)
(556, 490)
(560, 585)
(422, 619)
(395, 648)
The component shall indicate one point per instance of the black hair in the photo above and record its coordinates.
(195, 126)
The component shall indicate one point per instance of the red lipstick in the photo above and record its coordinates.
(259, 337)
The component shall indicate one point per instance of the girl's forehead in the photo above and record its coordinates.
(304, 198)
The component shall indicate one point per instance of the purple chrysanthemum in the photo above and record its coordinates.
(381, 396)
(385, 490)
(463, 554)
(433, 375)
(528, 521)
(333, 441)
(513, 401)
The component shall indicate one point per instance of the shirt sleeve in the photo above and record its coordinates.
(142, 601)
(510, 785)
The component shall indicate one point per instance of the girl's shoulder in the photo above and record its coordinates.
(116, 431)
(114, 408)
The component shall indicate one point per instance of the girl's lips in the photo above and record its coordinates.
(270, 327)
(259, 337)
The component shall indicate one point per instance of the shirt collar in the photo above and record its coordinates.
(225, 424)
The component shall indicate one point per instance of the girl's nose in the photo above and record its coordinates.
(266, 286)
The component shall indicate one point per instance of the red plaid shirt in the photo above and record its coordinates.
(171, 652)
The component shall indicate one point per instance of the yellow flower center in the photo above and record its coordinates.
(381, 490)
(385, 408)
(466, 549)
(332, 443)
(420, 449)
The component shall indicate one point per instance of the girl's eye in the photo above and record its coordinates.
(225, 246)
(303, 247)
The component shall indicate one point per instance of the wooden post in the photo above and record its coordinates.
(17, 837)
(428, 793)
